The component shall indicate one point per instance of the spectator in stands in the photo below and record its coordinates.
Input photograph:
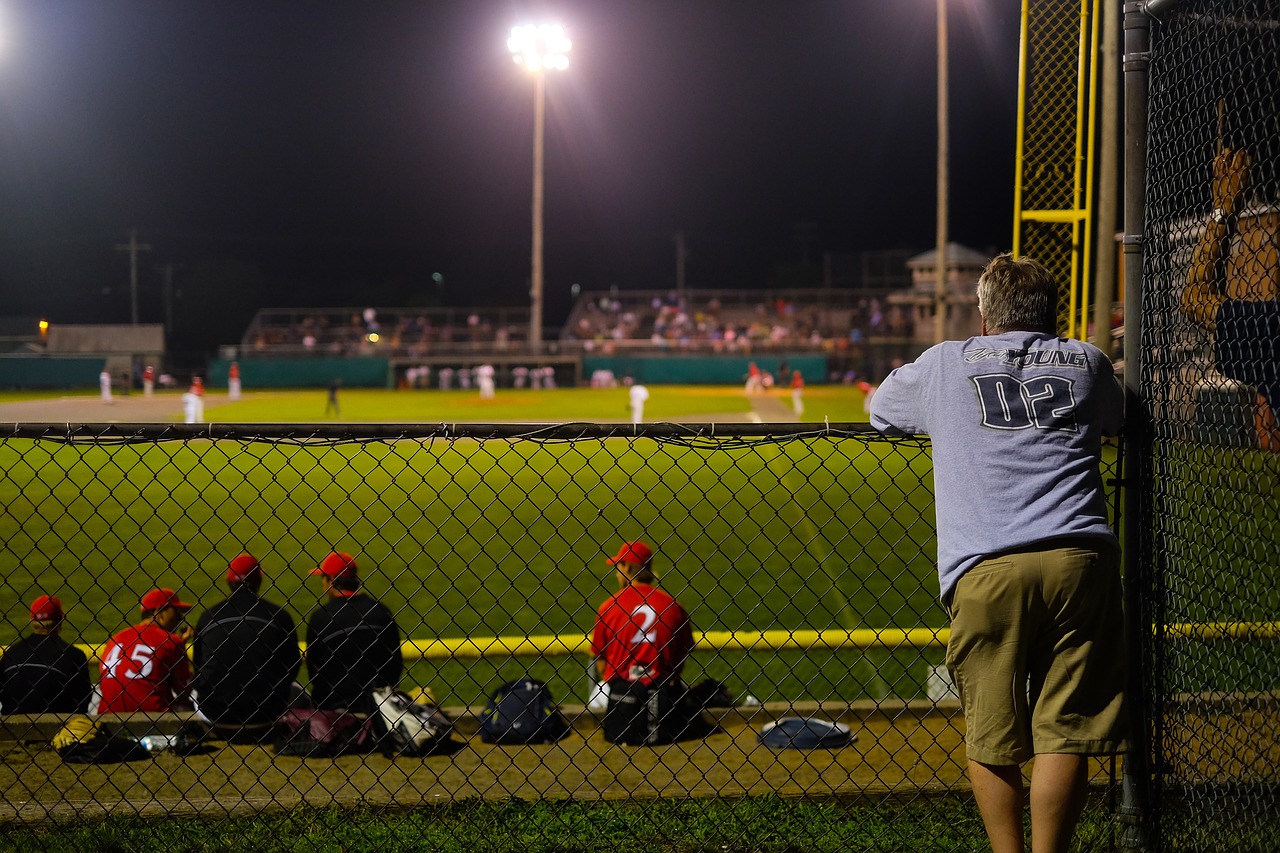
(245, 653)
(353, 644)
(1233, 287)
(145, 666)
(1029, 567)
(641, 641)
(43, 673)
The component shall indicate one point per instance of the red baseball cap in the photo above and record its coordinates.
(243, 568)
(162, 597)
(633, 552)
(46, 608)
(337, 566)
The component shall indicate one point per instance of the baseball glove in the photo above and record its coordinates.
(79, 729)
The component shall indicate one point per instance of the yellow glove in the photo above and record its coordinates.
(79, 729)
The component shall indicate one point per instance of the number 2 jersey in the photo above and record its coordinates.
(144, 668)
(642, 634)
(1016, 422)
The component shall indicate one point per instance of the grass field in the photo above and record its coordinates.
(463, 538)
(837, 403)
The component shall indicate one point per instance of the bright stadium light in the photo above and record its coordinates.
(541, 47)
(538, 49)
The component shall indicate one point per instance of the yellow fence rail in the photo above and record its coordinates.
(554, 645)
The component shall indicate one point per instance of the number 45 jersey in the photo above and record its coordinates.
(144, 668)
(1016, 422)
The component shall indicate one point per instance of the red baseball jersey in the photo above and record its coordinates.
(642, 634)
(144, 668)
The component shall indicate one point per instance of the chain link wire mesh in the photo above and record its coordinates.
(803, 556)
(1209, 343)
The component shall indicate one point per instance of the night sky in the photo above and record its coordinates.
(315, 152)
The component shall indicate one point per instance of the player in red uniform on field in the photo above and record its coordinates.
(145, 667)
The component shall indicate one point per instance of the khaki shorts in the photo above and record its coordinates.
(1037, 652)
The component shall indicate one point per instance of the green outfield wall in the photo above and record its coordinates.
(44, 372)
(655, 369)
(304, 372)
(703, 369)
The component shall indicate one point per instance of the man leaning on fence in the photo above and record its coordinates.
(353, 644)
(245, 654)
(43, 673)
(1028, 566)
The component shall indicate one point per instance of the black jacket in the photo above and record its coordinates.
(353, 646)
(246, 657)
(44, 674)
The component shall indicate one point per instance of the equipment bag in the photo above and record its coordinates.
(411, 728)
(82, 741)
(806, 733)
(522, 712)
(652, 714)
(309, 733)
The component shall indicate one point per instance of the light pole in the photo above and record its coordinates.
(538, 49)
(940, 297)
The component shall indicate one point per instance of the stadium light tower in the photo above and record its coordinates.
(941, 293)
(538, 49)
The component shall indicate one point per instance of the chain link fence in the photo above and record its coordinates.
(803, 556)
(1209, 350)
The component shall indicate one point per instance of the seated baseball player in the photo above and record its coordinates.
(43, 673)
(353, 644)
(641, 640)
(245, 654)
(145, 666)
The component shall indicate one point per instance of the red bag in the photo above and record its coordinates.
(309, 733)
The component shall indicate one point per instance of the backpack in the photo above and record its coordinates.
(411, 728)
(652, 714)
(522, 712)
(310, 733)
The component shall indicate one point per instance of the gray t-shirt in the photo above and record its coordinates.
(1016, 422)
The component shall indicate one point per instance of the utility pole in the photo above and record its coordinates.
(167, 270)
(681, 254)
(133, 247)
(940, 294)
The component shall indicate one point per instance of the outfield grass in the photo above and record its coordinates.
(837, 403)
